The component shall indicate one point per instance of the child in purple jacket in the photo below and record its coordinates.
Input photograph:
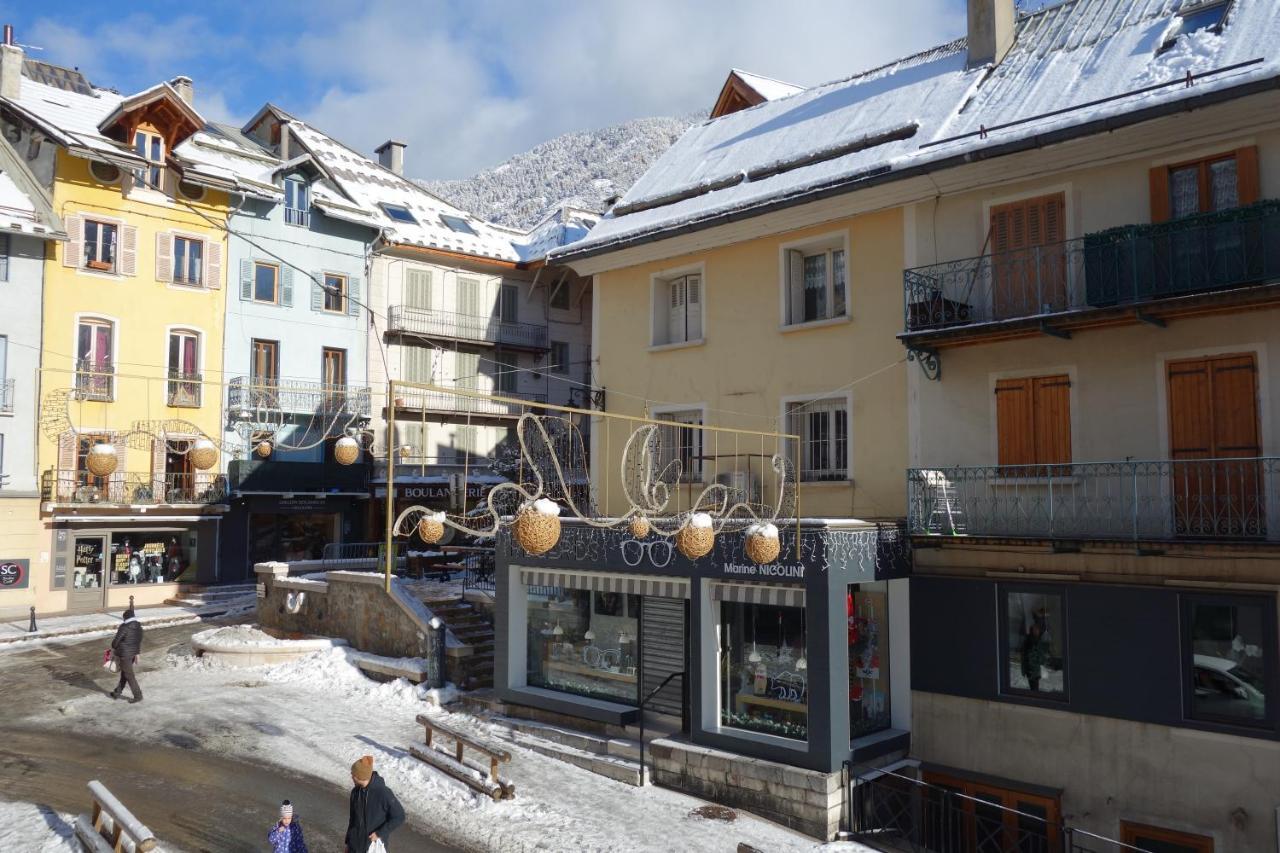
(286, 836)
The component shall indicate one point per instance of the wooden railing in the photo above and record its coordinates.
(456, 767)
(111, 826)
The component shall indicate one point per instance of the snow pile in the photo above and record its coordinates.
(236, 636)
(700, 519)
(764, 528)
(545, 506)
(335, 671)
(36, 829)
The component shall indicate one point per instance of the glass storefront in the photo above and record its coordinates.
(290, 536)
(159, 557)
(584, 642)
(764, 669)
(867, 610)
(88, 563)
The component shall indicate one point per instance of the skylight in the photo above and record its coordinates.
(399, 213)
(457, 223)
(1195, 17)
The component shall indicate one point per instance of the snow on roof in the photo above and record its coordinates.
(1084, 59)
(25, 206)
(564, 225)
(767, 87)
(379, 193)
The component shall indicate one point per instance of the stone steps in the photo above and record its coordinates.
(613, 758)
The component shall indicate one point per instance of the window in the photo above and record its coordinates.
(150, 147)
(1154, 839)
(417, 289)
(559, 357)
(334, 367)
(83, 476)
(188, 261)
(297, 202)
(981, 816)
(399, 213)
(678, 310)
(1034, 649)
(509, 303)
(1028, 259)
(1033, 423)
(1222, 182)
(466, 370)
(184, 368)
(464, 447)
(137, 558)
(1229, 654)
(108, 173)
(99, 245)
(4, 257)
(581, 643)
(508, 373)
(6, 384)
(560, 294)
(335, 292)
(681, 444)
(94, 352)
(823, 427)
(762, 688)
(1193, 18)
(188, 190)
(266, 283)
(456, 223)
(264, 373)
(816, 284)
(867, 612)
(469, 297)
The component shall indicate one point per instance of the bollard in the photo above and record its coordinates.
(31, 629)
(131, 602)
(438, 628)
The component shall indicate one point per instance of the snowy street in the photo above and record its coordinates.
(227, 745)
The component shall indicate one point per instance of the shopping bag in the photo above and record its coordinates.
(109, 662)
(377, 847)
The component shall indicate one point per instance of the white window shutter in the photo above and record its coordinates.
(286, 286)
(693, 307)
(164, 256)
(73, 249)
(213, 264)
(317, 291)
(353, 296)
(158, 449)
(246, 279)
(795, 286)
(128, 250)
(675, 313)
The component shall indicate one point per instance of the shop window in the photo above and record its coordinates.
(867, 610)
(764, 669)
(87, 563)
(1226, 642)
(287, 536)
(138, 558)
(1034, 651)
(584, 643)
(1154, 839)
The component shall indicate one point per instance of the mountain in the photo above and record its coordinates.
(580, 169)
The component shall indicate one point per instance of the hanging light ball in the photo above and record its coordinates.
(697, 537)
(263, 449)
(762, 544)
(346, 450)
(102, 460)
(203, 453)
(639, 527)
(802, 664)
(537, 527)
(431, 527)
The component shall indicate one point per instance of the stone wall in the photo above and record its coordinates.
(356, 607)
(805, 800)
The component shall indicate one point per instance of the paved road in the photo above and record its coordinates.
(194, 800)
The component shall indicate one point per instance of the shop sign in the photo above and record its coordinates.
(776, 571)
(15, 574)
(303, 502)
(438, 492)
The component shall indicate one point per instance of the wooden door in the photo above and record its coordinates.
(266, 372)
(1028, 268)
(1217, 488)
(333, 368)
(976, 817)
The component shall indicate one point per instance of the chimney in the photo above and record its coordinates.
(185, 89)
(990, 31)
(10, 66)
(391, 155)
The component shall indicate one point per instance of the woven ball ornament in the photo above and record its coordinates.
(695, 542)
(536, 532)
(430, 529)
(346, 450)
(263, 449)
(639, 527)
(762, 549)
(204, 455)
(102, 460)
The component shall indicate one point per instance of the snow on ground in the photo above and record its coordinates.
(36, 829)
(318, 714)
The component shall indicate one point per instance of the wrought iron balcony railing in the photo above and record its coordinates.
(248, 395)
(6, 396)
(94, 380)
(414, 399)
(124, 488)
(466, 327)
(1161, 500)
(1130, 265)
(184, 389)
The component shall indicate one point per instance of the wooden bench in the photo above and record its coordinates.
(112, 825)
(456, 766)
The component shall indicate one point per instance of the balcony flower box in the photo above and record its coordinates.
(100, 266)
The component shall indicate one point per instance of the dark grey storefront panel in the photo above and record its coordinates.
(953, 637)
(663, 651)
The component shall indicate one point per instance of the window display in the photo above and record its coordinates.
(88, 563)
(1228, 641)
(584, 643)
(161, 557)
(1035, 643)
(285, 536)
(867, 610)
(764, 669)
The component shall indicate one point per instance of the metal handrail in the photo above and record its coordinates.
(184, 389)
(67, 486)
(94, 380)
(471, 327)
(645, 701)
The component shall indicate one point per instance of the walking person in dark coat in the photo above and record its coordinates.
(375, 811)
(125, 648)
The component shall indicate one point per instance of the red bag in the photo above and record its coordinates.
(109, 661)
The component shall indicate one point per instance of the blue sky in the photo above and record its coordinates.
(468, 84)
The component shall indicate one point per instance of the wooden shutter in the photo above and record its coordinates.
(164, 256)
(795, 285)
(1160, 204)
(353, 295)
(65, 475)
(1247, 190)
(1015, 422)
(73, 249)
(693, 307)
(286, 285)
(676, 331)
(1051, 405)
(246, 280)
(1234, 398)
(116, 484)
(317, 291)
(213, 264)
(128, 250)
(158, 449)
(1190, 410)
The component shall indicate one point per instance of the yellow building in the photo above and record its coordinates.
(132, 337)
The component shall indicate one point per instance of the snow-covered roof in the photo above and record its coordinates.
(564, 225)
(767, 87)
(1071, 65)
(25, 207)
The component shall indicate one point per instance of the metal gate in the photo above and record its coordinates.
(663, 651)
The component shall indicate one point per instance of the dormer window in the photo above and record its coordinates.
(150, 147)
(297, 202)
(399, 213)
(458, 224)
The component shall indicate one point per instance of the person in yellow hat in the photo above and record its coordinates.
(375, 811)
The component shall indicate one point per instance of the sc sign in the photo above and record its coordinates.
(15, 574)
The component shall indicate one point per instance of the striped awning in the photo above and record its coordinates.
(597, 582)
(759, 593)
